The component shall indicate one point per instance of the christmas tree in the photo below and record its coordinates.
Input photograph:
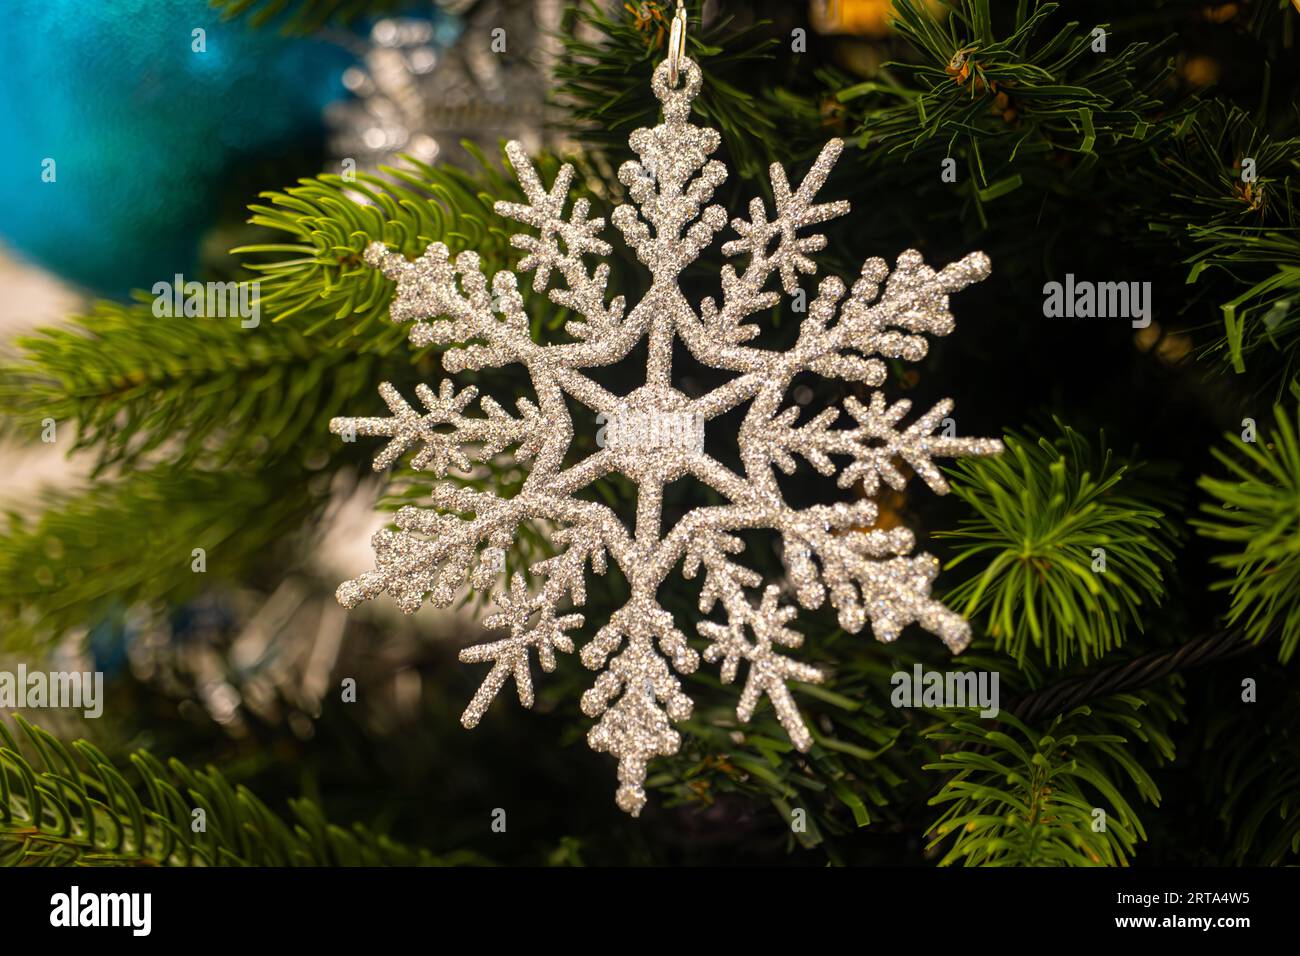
(1113, 565)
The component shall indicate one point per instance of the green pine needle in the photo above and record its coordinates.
(136, 388)
(1042, 511)
(69, 805)
(313, 272)
(1021, 797)
(130, 541)
(1020, 99)
(1238, 228)
(1257, 511)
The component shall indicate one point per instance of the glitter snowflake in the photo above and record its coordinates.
(830, 551)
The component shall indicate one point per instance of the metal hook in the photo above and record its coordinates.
(676, 44)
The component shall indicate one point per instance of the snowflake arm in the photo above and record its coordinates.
(434, 550)
(509, 657)
(794, 211)
(564, 575)
(868, 574)
(633, 684)
(768, 669)
(744, 293)
(874, 445)
(560, 246)
(448, 302)
(443, 447)
(886, 315)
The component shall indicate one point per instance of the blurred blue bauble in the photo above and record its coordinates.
(143, 130)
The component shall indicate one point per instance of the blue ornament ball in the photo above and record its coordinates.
(122, 122)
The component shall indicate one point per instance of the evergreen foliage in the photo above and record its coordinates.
(1048, 515)
(1112, 164)
(69, 805)
(1256, 510)
(1052, 797)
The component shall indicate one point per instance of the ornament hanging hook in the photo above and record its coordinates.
(676, 44)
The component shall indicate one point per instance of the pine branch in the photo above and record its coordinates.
(1020, 101)
(1235, 218)
(69, 805)
(201, 391)
(200, 388)
(1042, 511)
(1257, 510)
(1033, 113)
(1018, 796)
(132, 540)
(315, 275)
(228, 407)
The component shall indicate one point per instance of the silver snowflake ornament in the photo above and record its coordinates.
(868, 573)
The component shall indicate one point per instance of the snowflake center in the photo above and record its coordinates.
(653, 433)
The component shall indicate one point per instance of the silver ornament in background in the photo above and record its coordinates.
(243, 659)
(479, 70)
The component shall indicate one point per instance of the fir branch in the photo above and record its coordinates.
(201, 391)
(1018, 796)
(1041, 512)
(205, 395)
(132, 540)
(200, 388)
(1020, 100)
(69, 805)
(314, 273)
(1256, 509)
(1236, 221)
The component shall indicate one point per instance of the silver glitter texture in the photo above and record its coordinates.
(831, 551)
